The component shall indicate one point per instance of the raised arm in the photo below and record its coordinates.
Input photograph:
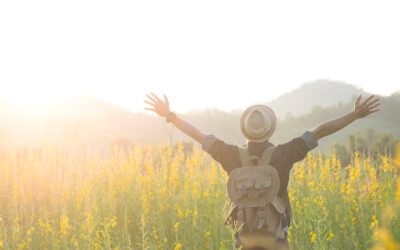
(161, 107)
(361, 110)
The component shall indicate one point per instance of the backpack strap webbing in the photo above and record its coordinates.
(247, 159)
(266, 156)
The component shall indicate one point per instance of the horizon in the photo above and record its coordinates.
(39, 106)
(239, 54)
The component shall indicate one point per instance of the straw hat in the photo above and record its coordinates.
(258, 123)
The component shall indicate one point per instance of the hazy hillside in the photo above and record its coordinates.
(323, 93)
(94, 123)
(385, 121)
(84, 121)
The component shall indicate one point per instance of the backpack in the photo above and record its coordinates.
(257, 213)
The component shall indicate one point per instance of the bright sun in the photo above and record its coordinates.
(32, 99)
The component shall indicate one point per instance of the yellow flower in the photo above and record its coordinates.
(385, 240)
(313, 237)
(299, 174)
(64, 225)
(330, 236)
(385, 164)
(397, 195)
(178, 246)
(176, 227)
(291, 195)
(374, 222)
(113, 222)
(397, 156)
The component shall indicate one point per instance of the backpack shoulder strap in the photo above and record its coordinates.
(245, 157)
(266, 156)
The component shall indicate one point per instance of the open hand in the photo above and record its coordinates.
(161, 107)
(367, 107)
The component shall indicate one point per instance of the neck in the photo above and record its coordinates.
(257, 148)
(266, 142)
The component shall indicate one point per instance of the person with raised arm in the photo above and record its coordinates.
(260, 212)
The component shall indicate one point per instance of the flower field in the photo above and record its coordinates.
(158, 197)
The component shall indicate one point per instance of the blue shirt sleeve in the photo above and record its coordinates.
(310, 140)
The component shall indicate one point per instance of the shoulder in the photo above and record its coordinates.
(224, 153)
(307, 141)
(295, 149)
(211, 143)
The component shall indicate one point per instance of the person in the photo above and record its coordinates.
(257, 124)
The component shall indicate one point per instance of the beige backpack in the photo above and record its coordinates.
(256, 212)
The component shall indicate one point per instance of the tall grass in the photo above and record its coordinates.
(158, 198)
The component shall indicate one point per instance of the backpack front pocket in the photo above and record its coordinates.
(244, 187)
(263, 183)
(244, 183)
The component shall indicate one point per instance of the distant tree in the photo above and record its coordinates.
(341, 152)
(371, 135)
(357, 142)
(370, 143)
(385, 144)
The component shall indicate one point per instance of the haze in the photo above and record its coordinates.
(224, 54)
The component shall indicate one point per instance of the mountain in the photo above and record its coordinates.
(322, 93)
(386, 121)
(90, 122)
(85, 121)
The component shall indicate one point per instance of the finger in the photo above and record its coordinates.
(151, 98)
(374, 106)
(150, 103)
(377, 102)
(150, 109)
(366, 102)
(373, 102)
(156, 97)
(373, 111)
(368, 99)
(358, 100)
(166, 99)
(370, 105)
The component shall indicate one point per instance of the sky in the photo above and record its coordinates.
(223, 54)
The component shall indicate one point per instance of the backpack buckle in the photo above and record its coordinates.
(240, 215)
(261, 217)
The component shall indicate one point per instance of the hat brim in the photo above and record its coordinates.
(270, 113)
